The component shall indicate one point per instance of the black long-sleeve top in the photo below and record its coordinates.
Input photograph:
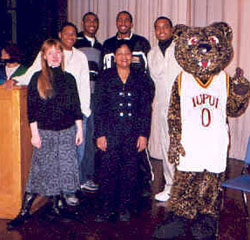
(123, 107)
(59, 111)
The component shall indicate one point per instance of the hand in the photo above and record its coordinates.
(36, 141)
(239, 73)
(102, 143)
(240, 89)
(175, 149)
(79, 138)
(9, 84)
(141, 143)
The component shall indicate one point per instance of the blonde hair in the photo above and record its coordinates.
(44, 83)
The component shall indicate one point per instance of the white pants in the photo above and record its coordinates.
(168, 168)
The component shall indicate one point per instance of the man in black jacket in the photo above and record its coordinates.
(140, 45)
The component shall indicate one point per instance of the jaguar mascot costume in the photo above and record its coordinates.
(202, 97)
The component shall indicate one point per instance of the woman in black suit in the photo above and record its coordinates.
(122, 125)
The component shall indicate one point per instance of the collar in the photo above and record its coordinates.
(10, 70)
(127, 38)
(163, 45)
(90, 39)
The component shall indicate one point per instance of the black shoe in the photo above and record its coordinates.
(204, 227)
(174, 227)
(18, 221)
(146, 192)
(57, 205)
(124, 216)
(24, 214)
(106, 217)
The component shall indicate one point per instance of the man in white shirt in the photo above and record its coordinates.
(163, 70)
(76, 63)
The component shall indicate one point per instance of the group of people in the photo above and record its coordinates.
(95, 111)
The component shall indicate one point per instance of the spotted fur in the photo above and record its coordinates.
(195, 192)
(202, 52)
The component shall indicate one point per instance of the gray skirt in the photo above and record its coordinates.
(54, 167)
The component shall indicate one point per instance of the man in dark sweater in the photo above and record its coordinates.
(89, 45)
(140, 45)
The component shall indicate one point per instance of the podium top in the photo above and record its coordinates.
(14, 88)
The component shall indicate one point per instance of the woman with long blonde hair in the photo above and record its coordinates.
(56, 128)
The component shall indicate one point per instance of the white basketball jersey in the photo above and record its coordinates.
(204, 125)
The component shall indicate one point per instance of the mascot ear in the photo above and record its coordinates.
(224, 28)
(178, 30)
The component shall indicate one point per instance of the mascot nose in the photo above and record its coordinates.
(204, 48)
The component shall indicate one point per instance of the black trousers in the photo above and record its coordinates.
(118, 173)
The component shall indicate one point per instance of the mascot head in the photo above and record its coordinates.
(203, 51)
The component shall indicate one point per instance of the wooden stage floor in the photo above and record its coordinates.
(233, 224)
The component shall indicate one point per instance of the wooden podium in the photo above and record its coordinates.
(15, 149)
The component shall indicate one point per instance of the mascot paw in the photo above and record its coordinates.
(239, 73)
(181, 150)
(240, 84)
(174, 153)
(173, 157)
(240, 88)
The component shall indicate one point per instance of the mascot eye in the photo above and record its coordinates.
(213, 39)
(192, 41)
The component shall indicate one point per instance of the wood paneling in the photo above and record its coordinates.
(15, 149)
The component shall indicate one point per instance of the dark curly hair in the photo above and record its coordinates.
(14, 51)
